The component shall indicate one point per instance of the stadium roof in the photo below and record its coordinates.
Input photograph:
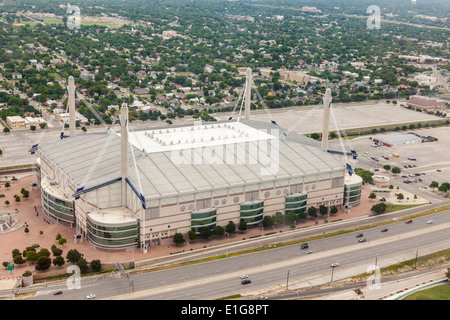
(92, 159)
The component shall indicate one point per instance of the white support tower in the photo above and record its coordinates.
(248, 93)
(326, 119)
(71, 105)
(124, 151)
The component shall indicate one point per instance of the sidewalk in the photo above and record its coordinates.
(37, 222)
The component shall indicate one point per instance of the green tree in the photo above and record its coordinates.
(230, 227)
(268, 221)
(242, 225)
(205, 233)
(16, 252)
(56, 251)
(43, 263)
(58, 261)
(192, 235)
(323, 209)
(379, 208)
(434, 184)
(396, 170)
(400, 196)
(218, 231)
(19, 260)
(312, 212)
(83, 265)
(178, 238)
(32, 256)
(334, 210)
(73, 255)
(96, 265)
(62, 241)
(387, 167)
(372, 195)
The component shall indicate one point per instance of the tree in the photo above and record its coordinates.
(178, 238)
(96, 265)
(62, 241)
(58, 236)
(312, 212)
(205, 233)
(396, 170)
(372, 195)
(26, 230)
(6, 130)
(192, 235)
(16, 252)
(230, 227)
(379, 208)
(73, 255)
(43, 263)
(323, 209)
(218, 231)
(83, 265)
(434, 184)
(290, 217)
(268, 221)
(443, 188)
(387, 167)
(56, 251)
(400, 196)
(32, 256)
(7, 202)
(7, 185)
(19, 259)
(44, 252)
(58, 261)
(334, 210)
(242, 225)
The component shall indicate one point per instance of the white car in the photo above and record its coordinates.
(244, 276)
(335, 264)
(308, 251)
(429, 221)
(91, 296)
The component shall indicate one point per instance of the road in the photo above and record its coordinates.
(274, 268)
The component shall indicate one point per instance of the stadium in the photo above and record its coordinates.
(130, 189)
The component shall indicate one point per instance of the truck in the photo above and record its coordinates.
(395, 155)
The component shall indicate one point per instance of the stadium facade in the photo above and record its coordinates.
(123, 190)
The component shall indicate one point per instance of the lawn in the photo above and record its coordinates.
(440, 292)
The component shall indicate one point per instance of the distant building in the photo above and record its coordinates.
(16, 122)
(17, 75)
(425, 103)
(64, 117)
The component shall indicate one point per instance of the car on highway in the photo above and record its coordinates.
(408, 221)
(246, 281)
(57, 292)
(429, 221)
(308, 251)
(304, 246)
(244, 276)
(384, 230)
(362, 240)
(335, 264)
(359, 235)
(91, 296)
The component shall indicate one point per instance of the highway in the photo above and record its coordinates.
(271, 269)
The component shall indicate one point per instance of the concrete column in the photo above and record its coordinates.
(124, 150)
(326, 119)
(71, 104)
(248, 94)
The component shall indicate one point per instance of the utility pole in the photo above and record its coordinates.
(287, 280)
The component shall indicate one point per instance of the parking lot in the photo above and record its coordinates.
(432, 161)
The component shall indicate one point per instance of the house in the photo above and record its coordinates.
(17, 75)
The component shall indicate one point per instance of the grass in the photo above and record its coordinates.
(398, 207)
(441, 292)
